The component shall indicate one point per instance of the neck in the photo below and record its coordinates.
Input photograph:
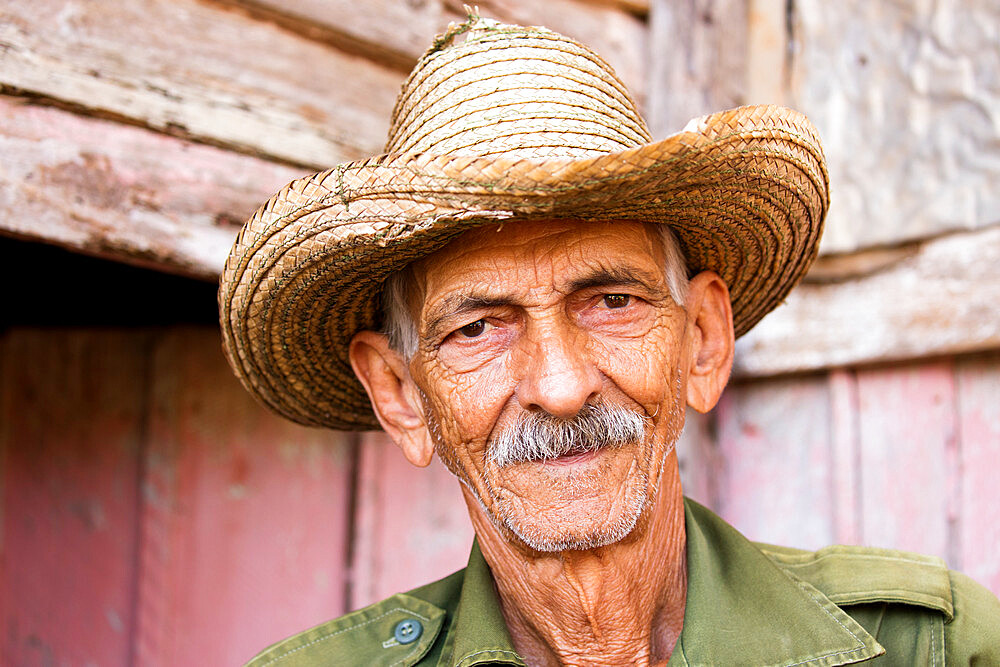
(619, 604)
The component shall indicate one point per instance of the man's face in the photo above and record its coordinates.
(548, 317)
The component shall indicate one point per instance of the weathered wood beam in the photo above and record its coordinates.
(201, 71)
(143, 197)
(637, 7)
(387, 31)
(935, 298)
(904, 95)
(124, 192)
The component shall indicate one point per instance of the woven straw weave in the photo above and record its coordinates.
(503, 123)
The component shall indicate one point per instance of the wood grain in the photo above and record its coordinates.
(202, 71)
(70, 444)
(699, 458)
(411, 526)
(898, 93)
(244, 520)
(977, 382)
(845, 457)
(908, 468)
(939, 297)
(124, 192)
(775, 475)
(398, 33)
(385, 31)
(697, 60)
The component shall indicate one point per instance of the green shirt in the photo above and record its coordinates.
(747, 604)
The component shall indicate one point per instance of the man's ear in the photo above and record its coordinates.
(710, 320)
(393, 394)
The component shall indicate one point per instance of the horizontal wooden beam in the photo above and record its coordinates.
(124, 192)
(397, 33)
(142, 197)
(938, 297)
(202, 71)
(387, 31)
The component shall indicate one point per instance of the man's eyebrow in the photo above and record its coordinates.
(615, 276)
(459, 304)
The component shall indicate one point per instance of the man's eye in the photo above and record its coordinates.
(616, 300)
(473, 329)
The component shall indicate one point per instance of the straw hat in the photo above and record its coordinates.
(505, 123)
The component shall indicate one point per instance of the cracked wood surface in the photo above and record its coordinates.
(202, 71)
(124, 192)
(940, 297)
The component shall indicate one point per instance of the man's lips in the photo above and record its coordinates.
(573, 457)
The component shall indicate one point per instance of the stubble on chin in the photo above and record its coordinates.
(509, 515)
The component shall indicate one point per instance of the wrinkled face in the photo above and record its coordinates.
(545, 319)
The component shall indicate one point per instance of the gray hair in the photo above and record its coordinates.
(399, 326)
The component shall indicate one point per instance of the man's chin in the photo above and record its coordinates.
(555, 533)
(575, 502)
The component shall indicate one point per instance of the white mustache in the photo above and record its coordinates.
(539, 436)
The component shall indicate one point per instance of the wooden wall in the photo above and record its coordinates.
(151, 513)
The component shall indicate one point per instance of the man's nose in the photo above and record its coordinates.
(559, 376)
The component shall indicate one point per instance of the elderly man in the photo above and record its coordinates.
(528, 287)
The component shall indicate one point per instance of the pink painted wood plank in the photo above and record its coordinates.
(699, 459)
(908, 468)
(244, 520)
(978, 386)
(412, 526)
(845, 457)
(70, 434)
(775, 482)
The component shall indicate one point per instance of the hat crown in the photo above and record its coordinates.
(489, 89)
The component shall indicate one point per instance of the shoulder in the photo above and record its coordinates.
(913, 604)
(976, 622)
(399, 630)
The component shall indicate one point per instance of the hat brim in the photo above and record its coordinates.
(745, 191)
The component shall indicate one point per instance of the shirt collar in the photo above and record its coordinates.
(478, 633)
(741, 609)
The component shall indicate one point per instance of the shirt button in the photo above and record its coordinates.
(408, 631)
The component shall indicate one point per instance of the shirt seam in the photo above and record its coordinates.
(909, 593)
(787, 559)
(325, 637)
(934, 660)
(859, 647)
(467, 656)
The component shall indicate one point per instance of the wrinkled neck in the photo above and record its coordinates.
(619, 604)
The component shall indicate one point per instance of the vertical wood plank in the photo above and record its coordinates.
(70, 433)
(244, 519)
(412, 526)
(908, 468)
(697, 56)
(978, 387)
(845, 457)
(767, 52)
(775, 482)
(698, 458)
